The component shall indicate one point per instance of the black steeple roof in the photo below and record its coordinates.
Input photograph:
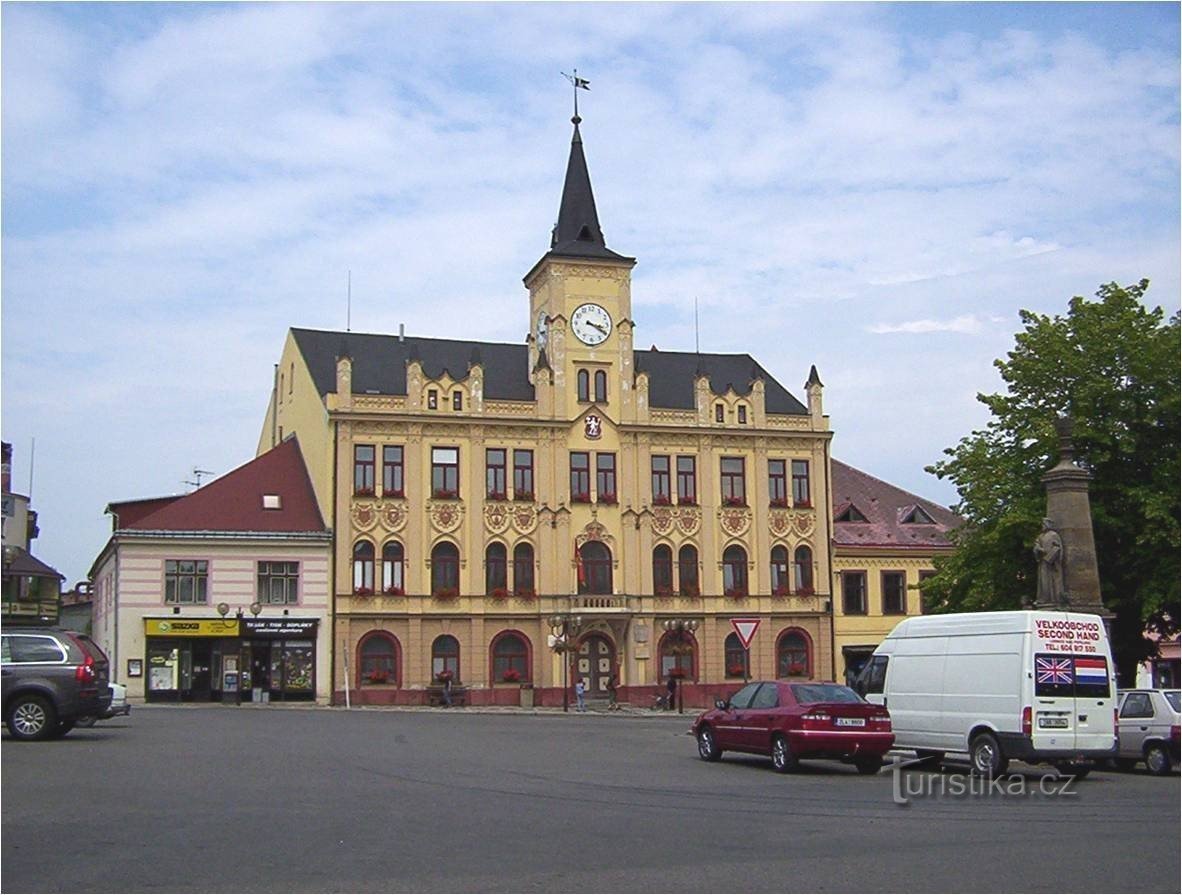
(577, 233)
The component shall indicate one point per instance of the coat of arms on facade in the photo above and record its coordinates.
(592, 426)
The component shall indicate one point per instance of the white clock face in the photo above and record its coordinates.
(541, 330)
(591, 324)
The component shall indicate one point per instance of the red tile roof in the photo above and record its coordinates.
(127, 513)
(234, 502)
(885, 507)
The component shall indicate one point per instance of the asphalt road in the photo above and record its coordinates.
(274, 799)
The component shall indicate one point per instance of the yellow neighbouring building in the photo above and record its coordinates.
(519, 517)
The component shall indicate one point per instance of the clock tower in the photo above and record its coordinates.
(580, 308)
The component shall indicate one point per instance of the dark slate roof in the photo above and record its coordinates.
(234, 502)
(25, 563)
(885, 507)
(379, 367)
(671, 377)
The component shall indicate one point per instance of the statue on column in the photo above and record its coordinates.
(1048, 550)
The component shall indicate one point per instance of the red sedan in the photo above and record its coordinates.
(790, 721)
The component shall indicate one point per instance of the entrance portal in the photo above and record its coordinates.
(596, 664)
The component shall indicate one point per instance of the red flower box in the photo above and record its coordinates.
(661, 500)
(778, 502)
(394, 591)
(781, 591)
(496, 495)
(445, 494)
(499, 593)
(796, 668)
(663, 590)
(446, 593)
(677, 672)
(363, 492)
(378, 677)
(733, 502)
(690, 590)
(580, 498)
(511, 676)
(525, 593)
(735, 670)
(736, 592)
(523, 495)
(363, 591)
(394, 494)
(607, 497)
(443, 677)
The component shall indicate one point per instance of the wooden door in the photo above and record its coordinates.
(596, 663)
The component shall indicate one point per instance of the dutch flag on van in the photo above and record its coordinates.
(1091, 671)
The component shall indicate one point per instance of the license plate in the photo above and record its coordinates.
(850, 722)
(1057, 723)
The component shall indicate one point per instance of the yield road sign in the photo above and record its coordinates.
(745, 628)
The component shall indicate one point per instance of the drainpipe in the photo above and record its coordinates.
(829, 551)
(274, 404)
(332, 572)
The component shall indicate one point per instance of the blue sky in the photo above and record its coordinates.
(877, 189)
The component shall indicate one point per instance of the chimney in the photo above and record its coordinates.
(401, 332)
(6, 469)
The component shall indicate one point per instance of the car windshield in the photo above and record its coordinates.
(809, 693)
(1172, 697)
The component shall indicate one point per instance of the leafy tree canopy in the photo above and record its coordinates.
(1112, 365)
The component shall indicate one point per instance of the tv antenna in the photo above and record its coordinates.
(197, 474)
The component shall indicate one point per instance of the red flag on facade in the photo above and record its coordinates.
(579, 566)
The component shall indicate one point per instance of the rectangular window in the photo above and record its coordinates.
(800, 483)
(580, 476)
(186, 581)
(279, 582)
(445, 472)
(392, 471)
(1063, 674)
(523, 475)
(719, 413)
(494, 465)
(363, 468)
(894, 593)
(853, 593)
(432, 399)
(687, 480)
(924, 604)
(457, 400)
(734, 485)
(777, 483)
(605, 478)
(660, 468)
(742, 415)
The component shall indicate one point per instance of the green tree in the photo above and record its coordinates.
(1113, 366)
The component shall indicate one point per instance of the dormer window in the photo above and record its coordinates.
(719, 413)
(916, 515)
(272, 502)
(432, 399)
(742, 415)
(851, 514)
(457, 400)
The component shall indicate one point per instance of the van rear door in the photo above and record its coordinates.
(1073, 702)
(1094, 715)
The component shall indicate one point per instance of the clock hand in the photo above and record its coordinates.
(597, 326)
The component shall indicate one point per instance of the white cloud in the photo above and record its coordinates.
(967, 323)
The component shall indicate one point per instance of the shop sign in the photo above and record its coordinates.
(279, 627)
(190, 627)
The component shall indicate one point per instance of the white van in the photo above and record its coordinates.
(1034, 686)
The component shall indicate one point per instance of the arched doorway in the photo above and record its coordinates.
(595, 663)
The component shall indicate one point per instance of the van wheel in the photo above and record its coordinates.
(707, 748)
(1157, 760)
(783, 760)
(31, 718)
(986, 757)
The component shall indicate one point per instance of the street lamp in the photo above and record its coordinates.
(682, 630)
(564, 628)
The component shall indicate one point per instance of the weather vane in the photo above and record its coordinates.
(578, 84)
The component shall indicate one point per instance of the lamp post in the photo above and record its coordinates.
(564, 627)
(682, 630)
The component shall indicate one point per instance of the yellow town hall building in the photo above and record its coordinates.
(519, 517)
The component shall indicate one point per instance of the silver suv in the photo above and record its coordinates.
(1149, 729)
(51, 678)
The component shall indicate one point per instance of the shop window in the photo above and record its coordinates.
(734, 571)
(663, 570)
(495, 569)
(392, 471)
(445, 570)
(363, 469)
(523, 570)
(523, 475)
(363, 558)
(687, 571)
(678, 650)
(278, 582)
(393, 569)
(793, 656)
(779, 568)
(186, 581)
(510, 658)
(445, 658)
(802, 569)
(734, 657)
(378, 659)
(594, 568)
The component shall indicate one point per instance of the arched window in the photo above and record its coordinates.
(735, 657)
(687, 571)
(510, 658)
(779, 571)
(393, 567)
(378, 659)
(495, 570)
(802, 570)
(445, 569)
(595, 568)
(445, 657)
(734, 571)
(523, 570)
(793, 656)
(662, 570)
(584, 385)
(678, 649)
(363, 567)
(600, 385)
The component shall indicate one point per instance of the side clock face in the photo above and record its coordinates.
(541, 330)
(591, 324)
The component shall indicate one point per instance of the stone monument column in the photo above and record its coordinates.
(1070, 515)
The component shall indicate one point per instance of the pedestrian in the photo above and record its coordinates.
(611, 693)
(580, 689)
(447, 691)
(671, 691)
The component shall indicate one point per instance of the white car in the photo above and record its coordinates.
(118, 706)
(1149, 725)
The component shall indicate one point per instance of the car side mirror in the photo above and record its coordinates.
(721, 704)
